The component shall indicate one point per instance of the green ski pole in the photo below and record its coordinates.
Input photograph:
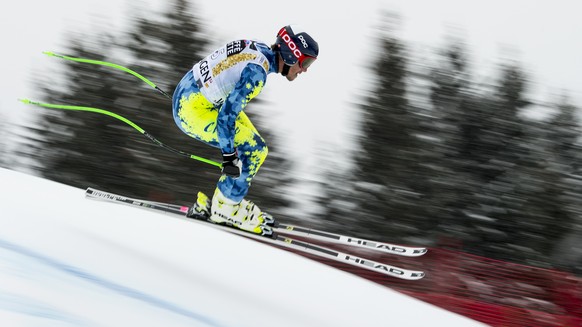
(125, 120)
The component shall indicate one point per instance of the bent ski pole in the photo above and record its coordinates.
(125, 120)
(109, 64)
(114, 115)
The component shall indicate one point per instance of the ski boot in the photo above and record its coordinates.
(255, 211)
(201, 209)
(242, 215)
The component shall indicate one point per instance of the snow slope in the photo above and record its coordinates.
(69, 261)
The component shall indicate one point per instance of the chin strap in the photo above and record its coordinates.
(286, 67)
(285, 70)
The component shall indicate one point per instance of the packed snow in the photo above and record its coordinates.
(69, 261)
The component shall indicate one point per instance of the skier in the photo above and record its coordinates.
(208, 105)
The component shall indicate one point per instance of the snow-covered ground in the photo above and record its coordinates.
(69, 261)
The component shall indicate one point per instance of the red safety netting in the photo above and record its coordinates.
(494, 292)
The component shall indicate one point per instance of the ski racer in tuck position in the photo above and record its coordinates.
(208, 105)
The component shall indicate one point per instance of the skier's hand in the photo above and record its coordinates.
(231, 165)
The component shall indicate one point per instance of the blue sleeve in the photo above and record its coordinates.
(252, 80)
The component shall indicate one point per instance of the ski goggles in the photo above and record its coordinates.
(306, 61)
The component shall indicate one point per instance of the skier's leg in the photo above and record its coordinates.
(228, 203)
(193, 113)
(252, 151)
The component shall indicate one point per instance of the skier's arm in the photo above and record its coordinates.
(251, 83)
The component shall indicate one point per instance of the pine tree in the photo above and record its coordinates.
(563, 133)
(167, 48)
(452, 101)
(390, 180)
(85, 149)
(518, 211)
(565, 150)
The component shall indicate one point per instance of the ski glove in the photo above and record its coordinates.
(231, 165)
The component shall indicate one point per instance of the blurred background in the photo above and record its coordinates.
(454, 126)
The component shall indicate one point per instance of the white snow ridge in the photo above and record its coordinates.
(69, 261)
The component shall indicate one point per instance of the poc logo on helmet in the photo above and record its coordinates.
(303, 41)
(292, 46)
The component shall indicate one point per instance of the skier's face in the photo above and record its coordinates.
(294, 71)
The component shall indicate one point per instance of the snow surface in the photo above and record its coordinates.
(69, 261)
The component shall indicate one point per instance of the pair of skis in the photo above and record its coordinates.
(283, 238)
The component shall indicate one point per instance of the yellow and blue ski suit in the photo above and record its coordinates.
(208, 105)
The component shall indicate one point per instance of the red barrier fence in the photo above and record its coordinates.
(494, 292)
(496, 314)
